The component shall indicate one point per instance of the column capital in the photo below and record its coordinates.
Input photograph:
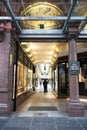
(8, 26)
(2, 26)
(5, 26)
(72, 32)
(14, 34)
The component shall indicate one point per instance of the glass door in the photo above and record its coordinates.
(62, 78)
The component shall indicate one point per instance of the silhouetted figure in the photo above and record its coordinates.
(45, 85)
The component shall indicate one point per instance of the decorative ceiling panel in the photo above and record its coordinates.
(42, 9)
(81, 10)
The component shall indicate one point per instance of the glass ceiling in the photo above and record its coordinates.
(51, 14)
(46, 20)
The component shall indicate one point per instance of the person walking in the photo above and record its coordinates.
(45, 85)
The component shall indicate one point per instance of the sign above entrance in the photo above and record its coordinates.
(74, 68)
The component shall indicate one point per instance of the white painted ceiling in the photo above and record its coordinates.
(46, 53)
(42, 52)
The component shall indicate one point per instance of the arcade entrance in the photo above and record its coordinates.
(61, 25)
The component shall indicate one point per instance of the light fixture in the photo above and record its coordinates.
(23, 43)
(28, 49)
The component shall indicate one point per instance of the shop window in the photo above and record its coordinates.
(20, 87)
(30, 78)
(62, 81)
(24, 78)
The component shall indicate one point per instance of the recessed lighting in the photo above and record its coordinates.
(23, 43)
(28, 49)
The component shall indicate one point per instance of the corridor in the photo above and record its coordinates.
(43, 40)
(42, 104)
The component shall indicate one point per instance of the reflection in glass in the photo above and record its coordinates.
(62, 82)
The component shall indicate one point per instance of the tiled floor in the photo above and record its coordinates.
(41, 99)
(46, 123)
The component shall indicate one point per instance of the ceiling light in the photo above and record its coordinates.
(28, 49)
(31, 55)
(51, 52)
(23, 43)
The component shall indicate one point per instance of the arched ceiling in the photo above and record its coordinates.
(48, 52)
(41, 52)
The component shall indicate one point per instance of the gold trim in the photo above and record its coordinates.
(41, 9)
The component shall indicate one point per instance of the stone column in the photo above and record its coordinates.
(6, 74)
(74, 106)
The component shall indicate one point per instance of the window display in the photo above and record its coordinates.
(24, 78)
(84, 70)
(29, 78)
(20, 87)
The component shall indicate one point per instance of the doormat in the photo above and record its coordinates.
(39, 114)
(43, 108)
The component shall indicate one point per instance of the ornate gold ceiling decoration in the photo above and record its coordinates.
(81, 10)
(42, 9)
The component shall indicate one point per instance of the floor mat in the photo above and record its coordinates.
(43, 108)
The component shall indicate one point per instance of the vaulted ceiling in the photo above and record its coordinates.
(41, 52)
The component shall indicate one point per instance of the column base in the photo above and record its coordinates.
(75, 109)
(5, 110)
